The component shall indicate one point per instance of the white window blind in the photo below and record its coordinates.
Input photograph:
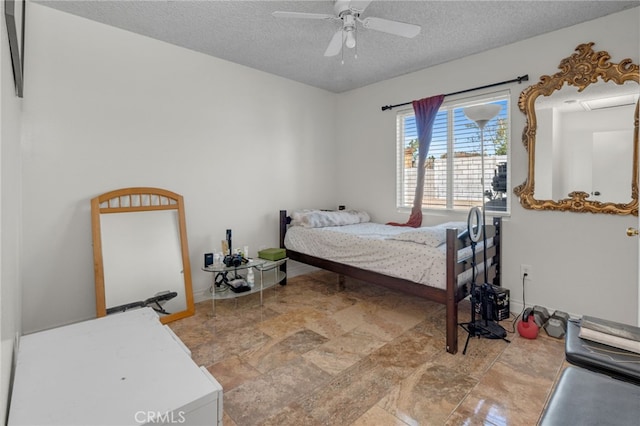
(453, 175)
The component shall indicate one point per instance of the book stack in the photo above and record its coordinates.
(621, 336)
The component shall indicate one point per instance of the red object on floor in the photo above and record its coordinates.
(528, 328)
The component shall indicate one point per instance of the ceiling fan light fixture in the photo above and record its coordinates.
(350, 41)
(349, 11)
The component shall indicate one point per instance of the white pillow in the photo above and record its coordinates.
(431, 236)
(298, 215)
(322, 218)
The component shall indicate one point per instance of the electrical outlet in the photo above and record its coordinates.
(526, 269)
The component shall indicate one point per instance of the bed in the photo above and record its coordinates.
(448, 280)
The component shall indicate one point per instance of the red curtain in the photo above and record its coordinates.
(425, 110)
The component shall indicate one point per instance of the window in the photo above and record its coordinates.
(453, 175)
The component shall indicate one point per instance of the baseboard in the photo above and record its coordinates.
(517, 308)
(296, 268)
(201, 296)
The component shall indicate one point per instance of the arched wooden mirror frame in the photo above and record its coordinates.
(132, 200)
(580, 70)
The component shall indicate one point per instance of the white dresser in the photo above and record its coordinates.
(122, 369)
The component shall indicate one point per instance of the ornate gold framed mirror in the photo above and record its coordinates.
(581, 136)
(141, 254)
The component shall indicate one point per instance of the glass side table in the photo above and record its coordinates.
(269, 275)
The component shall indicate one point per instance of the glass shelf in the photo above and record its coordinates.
(269, 274)
(221, 267)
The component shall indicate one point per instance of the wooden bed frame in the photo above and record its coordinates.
(450, 297)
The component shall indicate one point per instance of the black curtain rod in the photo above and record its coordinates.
(517, 79)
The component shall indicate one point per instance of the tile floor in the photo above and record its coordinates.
(312, 355)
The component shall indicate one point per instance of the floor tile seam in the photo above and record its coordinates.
(259, 373)
(358, 357)
(322, 333)
(321, 420)
(299, 399)
(279, 343)
(561, 368)
(288, 398)
(495, 360)
(226, 413)
(275, 334)
(549, 389)
(362, 330)
(377, 404)
(295, 328)
(399, 419)
(523, 374)
(268, 375)
(478, 378)
(463, 400)
(361, 356)
(429, 357)
(399, 313)
(479, 375)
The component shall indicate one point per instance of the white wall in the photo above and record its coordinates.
(106, 109)
(10, 295)
(582, 263)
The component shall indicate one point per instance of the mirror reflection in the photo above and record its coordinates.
(140, 253)
(142, 259)
(582, 136)
(584, 142)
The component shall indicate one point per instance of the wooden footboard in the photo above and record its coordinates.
(450, 297)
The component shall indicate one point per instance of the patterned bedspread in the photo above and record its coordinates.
(415, 254)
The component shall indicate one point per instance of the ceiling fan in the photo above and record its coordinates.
(349, 13)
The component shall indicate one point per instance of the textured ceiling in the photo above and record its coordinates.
(244, 32)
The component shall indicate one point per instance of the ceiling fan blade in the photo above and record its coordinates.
(358, 6)
(335, 45)
(302, 15)
(391, 27)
